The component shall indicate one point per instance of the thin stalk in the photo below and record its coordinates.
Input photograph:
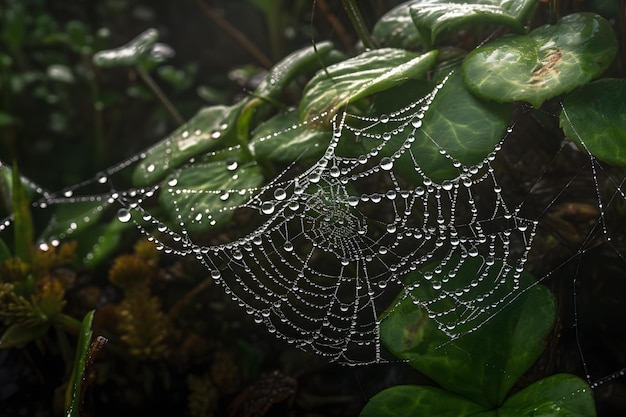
(359, 23)
(234, 33)
(147, 78)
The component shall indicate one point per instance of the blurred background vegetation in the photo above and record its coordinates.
(177, 344)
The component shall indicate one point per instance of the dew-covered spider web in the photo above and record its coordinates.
(319, 253)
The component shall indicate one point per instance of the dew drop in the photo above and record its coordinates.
(101, 177)
(68, 193)
(172, 182)
(231, 165)
(288, 246)
(384, 118)
(123, 215)
(224, 196)
(386, 163)
(416, 122)
(267, 207)
(280, 194)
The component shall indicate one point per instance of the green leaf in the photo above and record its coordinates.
(414, 400)
(71, 219)
(594, 117)
(465, 127)
(98, 245)
(129, 54)
(74, 394)
(283, 139)
(348, 81)
(484, 362)
(22, 219)
(211, 128)
(5, 253)
(203, 196)
(434, 18)
(17, 335)
(302, 61)
(549, 61)
(395, 29)
(560, 395)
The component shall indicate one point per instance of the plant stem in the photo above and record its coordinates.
(145, 76)
(359, 24)
(234, 33)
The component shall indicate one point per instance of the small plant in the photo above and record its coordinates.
(352, 204)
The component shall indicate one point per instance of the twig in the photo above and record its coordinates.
(237, 35)
(159, 93)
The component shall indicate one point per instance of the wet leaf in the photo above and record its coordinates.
(300, 62)
(549, 61)
(416, 400)
(358, 77)
(74, 394)
(594, 117)
(210, 129)
(560, 395)
(74, 218)
(483, 363)
(395, 29)
(465, 127)
(283, 139)
(129, 54)
(434, 18)
(203, 196)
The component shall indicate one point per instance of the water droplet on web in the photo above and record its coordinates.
(224, 196)
(237, 255)
(447, 185)
(386, 163)
(231, 165)
(288, 246)
(267, 207)
(150, 168)
(172, 182)
(280, 194)
(416, 122)
(123, 215)
(384, 118)
(68, 193)
(101, 177)
(216, 274)
(353, 201)
(362, 159)
(473, 251)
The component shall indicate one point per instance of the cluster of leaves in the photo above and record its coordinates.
(233, 148)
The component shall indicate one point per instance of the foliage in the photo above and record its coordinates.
(227, 149)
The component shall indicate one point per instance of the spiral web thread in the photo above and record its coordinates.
(336, 241)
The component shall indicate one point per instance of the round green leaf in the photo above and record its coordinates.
(415, 400)
(484, 363)
(594, 117)
(436, 17)
(560, 395)
(283, 139)
(211, 128)
(549, 61)
(203, 196)
(465, 127)
(371, 72)
(396, 28)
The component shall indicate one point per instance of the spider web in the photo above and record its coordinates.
(333, 243)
